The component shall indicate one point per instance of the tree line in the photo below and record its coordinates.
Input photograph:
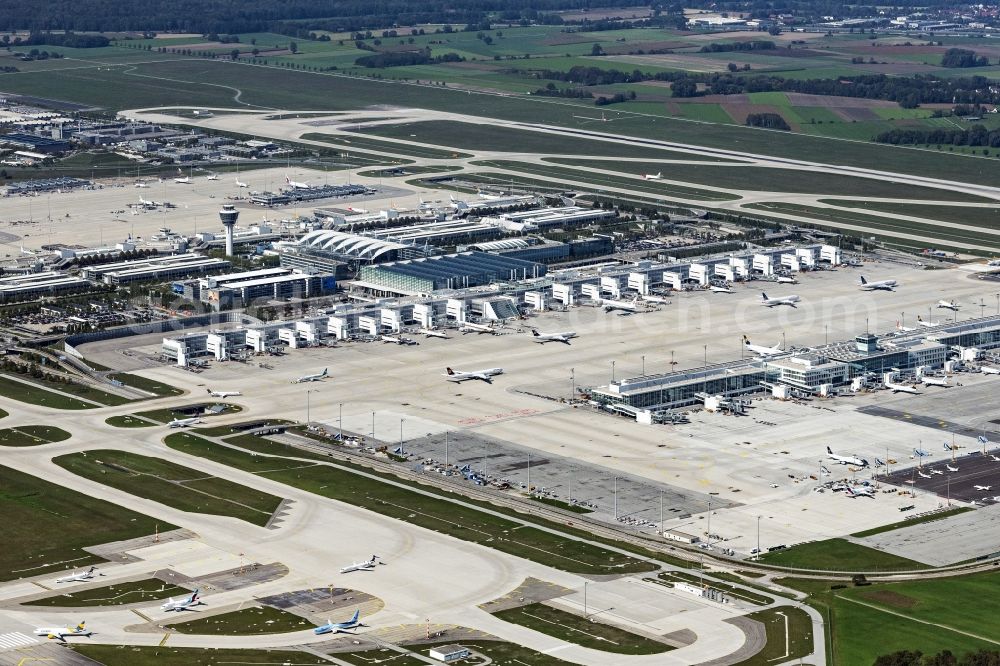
(423, 56)
(944, 658)
(752, 45)
(975, 136)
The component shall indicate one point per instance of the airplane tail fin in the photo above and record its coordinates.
(450, 371)
(82, 626)
(863, 280)
(534, 332)
(356, 616)
(764, 295)
(829, 450)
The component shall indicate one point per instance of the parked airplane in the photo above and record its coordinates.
(484, 375)
(193, 599)
(183, 423)
(296, 185)
(920, 453)
(761, 350)
(223, 394)
(884, 285)
(984, 488)
(783, 300)
(716, 289)
(904, 329)
(901, 388)
(332, 627)
(864, 491)
(846, 460)
(78, 576)
(935, 381)
(925, 324)
(469, 327)
(625, 307)
(487, 196)
(458, 204)
(319, 376)
(182, 179)
(950, 468)
(652, 298)
(367, 565)
(240, 183)
(879, 462)
(60, 633)
(922, 475)
(653, 176)
(542, 338)
(433, 333)
(987, 370)
(782, 279)
(953, 306)
(398, 340)
(212, 176)
(141, 184)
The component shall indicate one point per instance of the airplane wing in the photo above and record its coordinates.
(484, 377)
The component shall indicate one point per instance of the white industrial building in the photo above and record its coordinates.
(153, 268)
(22, 287)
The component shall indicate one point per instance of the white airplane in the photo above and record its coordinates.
(359, 211)
(212, 176)
(846, 460)
(240, 183)
(563, 337)
(184, 603)
(141, 184)
(983, 488)
(332, 627)
(652, 298)
(761, 350)
(901, 388)
(148, 204)
(182, 179)
(987, 370)
(953, 306)
(653, 176)
(950, 468)
(469, 327)
(432, 333)
(884, 285)
(60, 633)
(296, 185)
(319, 376)
(78, 576)
(183, 423)
(995, 458)
(367, 565)
(223, 394)
(625, 307)
(458, 204)
(715, 289)
(783, 300)
(904, 329)
(487, 196)
(935, 381)
(922, 475)
(787, 280)
(863, 491)
(483, 375)
(397, 340)
(925, 324)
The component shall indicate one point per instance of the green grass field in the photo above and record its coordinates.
(500, 652)
(167, 414)
(368, 143)
(180, 487)
(236, 428)
(128, 655)
(954, 603)
(589, 633)
(767, 179)
(32, 435)
(988, 217)
(15, 390)
(133, 592)
(51, 525)
(246, 622)
(434, 513)
(839, 555)
(146, 384)
(913, 521)
(126, 421)
(783, 624)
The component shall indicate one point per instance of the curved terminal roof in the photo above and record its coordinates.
(505, 244)
(352, 245)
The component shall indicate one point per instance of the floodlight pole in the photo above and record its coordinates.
(340, 421)
(616, 498)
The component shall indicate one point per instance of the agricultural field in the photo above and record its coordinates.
(51, 525)
(180, 487)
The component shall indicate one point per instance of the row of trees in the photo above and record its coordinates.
(958, 58)
(767, 121)
(70, 40)
(752, 45)
(945, 658)
(975, 136)
(423, 56)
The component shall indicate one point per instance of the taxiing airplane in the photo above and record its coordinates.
(542, 338)
(884, 285)
(332, 627)
(240, 183)
(183, 423)
(193, 599)
(469, 327)
(953, 306)
(367, 565)
(846, 460)
(318, 377)
(653, 176)
(983, 488)
(782, 300)
(482, 375)
(60, 633)
(761, 350)
(863, 491)
(296, 185)
(223, 394)
(78, 576)
(935, 381)
(715, 289)
(653, 298)
(782, 279)
(433, 333)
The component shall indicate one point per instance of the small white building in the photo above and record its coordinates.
(449, 653)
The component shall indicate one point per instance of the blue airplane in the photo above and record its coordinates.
(332, 627)
(920, 453)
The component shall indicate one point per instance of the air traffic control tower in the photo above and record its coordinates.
(228, 215)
